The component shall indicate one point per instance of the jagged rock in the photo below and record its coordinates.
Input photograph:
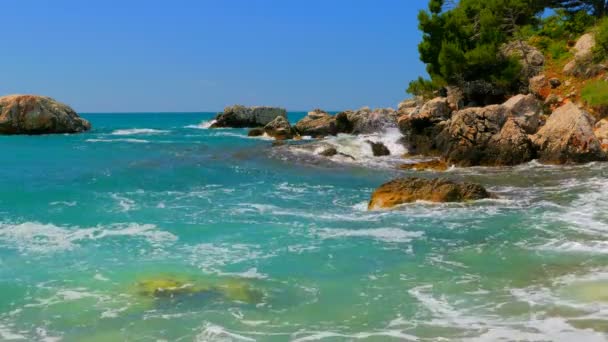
(409, 103)
(422, 126)
(379, 149)
(408, 190)
(555, 82)
(582, 65)
(30, 114)
(526, 110)
(317, 123)
(537, 83)
(256, 132)
(584, 47)
(279, 128)
(365, 120)
(455, 98)
(241, 116)
(434, 165)
(511, 146)
(601, 132)
(568, 137)
(329, 152)
(531, 58)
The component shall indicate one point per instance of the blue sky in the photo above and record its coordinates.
(201, 55)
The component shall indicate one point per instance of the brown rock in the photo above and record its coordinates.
(256, 132)
(433, 165)
(408, 190)
(537, 83)
(526, 110)
(421, 127)
(279, 128)
(241, 116)
(317, 123)
(329, 152)
(378, 149)
(568, 137)
(30, 114)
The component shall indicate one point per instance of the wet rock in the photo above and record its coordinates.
(526, 110)
(241, 116)
(256, 132)
(433, 165)
(279, 128)
(317, 123)
(568, 137)
(378, 149)
(29, 114)
(329, 152)
(408, 190)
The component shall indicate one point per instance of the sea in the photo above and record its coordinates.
(153, 227)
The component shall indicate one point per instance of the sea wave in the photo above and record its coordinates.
(395, 235)
(202, 125)
(139, 131)
(36, 237)
(137, 141)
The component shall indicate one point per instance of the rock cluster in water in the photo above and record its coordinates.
(241, 117)
(30, 114)
(408, 190)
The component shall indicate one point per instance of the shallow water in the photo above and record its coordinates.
(86, 218)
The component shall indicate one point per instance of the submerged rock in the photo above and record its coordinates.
(434, 165)
(329, 152)
(378, 149)
(241, 116)
(408, 190)
(279, 128)
(256, 132)
(568, 137)
(29, 114)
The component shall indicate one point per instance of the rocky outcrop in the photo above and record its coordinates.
(279, 128)
(29, 114)
(582, 65)
(241, 116)
(531, 58)
(379, 149)
(568, 137)
(408, 190)
(421, 127)
(601, 132)
(526, 110)
(366, 121)
(537, 84)
(317, 123)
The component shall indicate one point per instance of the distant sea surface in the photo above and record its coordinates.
(152, 227)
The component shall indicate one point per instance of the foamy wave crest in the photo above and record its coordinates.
(136, 141)
(139, 131)
(202, 125)
(382, 234)
(212, 332)
(212, 257)
(43, 238)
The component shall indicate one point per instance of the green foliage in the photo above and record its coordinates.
(566, 25)
(601, 40)
(596, 93)
(423, 87)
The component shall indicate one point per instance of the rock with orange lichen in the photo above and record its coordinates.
(408, 190)
(30, 114)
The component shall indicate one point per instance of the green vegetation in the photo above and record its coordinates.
(601, 39)
(595, 93)
(463, 42)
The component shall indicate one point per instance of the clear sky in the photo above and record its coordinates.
(201, 55)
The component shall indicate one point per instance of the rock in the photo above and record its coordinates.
(366, 121)
(511, 146)
(552, 100)
(555, 82)
(526, 110)
(584, 47)
(378, 149)
(317, 123)
(329, 152)
(409, 103)
(408, 190)
(433, 165)
(537, 83)
(256, 132)
(279, 128)
(455, 98)
(422, 127)
(601, 133)
(30, 114)
(241, 116)
(568, 137)
(531, 58)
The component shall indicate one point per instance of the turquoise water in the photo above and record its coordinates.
(266, 245)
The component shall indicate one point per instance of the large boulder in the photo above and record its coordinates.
(601, 132)
(317, 123)
(531, 58)
(582, 65)
(421, 127)
(568, 137)
(537, 85)
(366, 121)
(379, 149)
(408, 190)
(510, 146)
(279, 128)
(29, 114)
(526, 110)
(241, 116)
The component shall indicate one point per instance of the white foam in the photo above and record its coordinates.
(136, 141)
(382, 234)
(44, 238)
(125, 204)
(139, 131)
(202, 125)
(213, 332)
